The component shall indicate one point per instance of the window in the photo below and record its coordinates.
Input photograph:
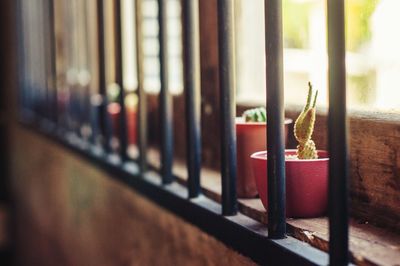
(373, 62)
(151, 49)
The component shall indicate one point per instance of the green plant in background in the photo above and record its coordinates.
(113, 90)
(304, 127)
(358, 16)
(258, 114)
(296, 23)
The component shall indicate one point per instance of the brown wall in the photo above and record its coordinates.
(67, 212)
(70, 213)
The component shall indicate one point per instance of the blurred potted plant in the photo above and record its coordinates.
(114, 110)
(113, 107)
(131, 102)
(251, 136)
(306, 169)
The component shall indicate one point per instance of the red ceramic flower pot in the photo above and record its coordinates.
(250, 137)
(131, 123)
(306, 183)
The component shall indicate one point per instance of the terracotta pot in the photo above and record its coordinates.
(114, 110)
(250, 137)
(306, 183)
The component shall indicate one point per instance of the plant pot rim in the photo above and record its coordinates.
(261, 155)
(240, 122)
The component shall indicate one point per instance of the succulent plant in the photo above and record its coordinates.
(304, 127)
(258, 114)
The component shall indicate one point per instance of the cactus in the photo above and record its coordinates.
(304, 127)
(258, 114)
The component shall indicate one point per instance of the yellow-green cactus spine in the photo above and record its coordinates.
(304, 127)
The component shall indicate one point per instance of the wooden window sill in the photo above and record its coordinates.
(369, 245)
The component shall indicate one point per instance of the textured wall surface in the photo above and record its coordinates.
(70, 213)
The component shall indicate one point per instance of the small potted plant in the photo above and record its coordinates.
(306, 169)
(114, 110)
(113, 107)
(251, 136)
(131, 102)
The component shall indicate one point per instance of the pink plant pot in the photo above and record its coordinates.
(250, 137)
(306, 183)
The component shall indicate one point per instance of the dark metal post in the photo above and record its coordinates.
(53, 63)
(338, 164)
(142, 107)
(21, 64)
(228, 112)
(167, 149)
(275, 118)
(191, 44)
(120, 79)
(103, 116)
(87, 88)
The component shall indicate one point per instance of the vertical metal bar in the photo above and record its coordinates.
(44, 48)
(83, 80)
(123, 143)
(41, 67)
(86, 64)
(67, 42)
(21, 55)
(53, 62)
(31, 50)
(142, 107)
(165, 97)
(338, 165)
(191, 44)
(46, 56)
(228, 108)
(73, 105)
(275, 118)
(103, 116)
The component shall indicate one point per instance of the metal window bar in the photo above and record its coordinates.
(52, 72)
(191, 44)
(46, 64)
(338, 147)
(142, 105)
(29, 47)
(41, 75)
(34, 73)
(86, 64)
(275, 117)
(73, 101)
(227, 103)
(22, 91)
(117, 16)
(166, 112)
(102, 108)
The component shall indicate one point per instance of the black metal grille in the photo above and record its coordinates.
(68, 112)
